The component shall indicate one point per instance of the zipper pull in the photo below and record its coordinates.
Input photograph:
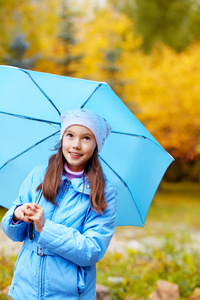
(67, 186)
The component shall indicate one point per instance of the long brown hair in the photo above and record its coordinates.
(93, 171)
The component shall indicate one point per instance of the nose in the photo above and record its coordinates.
(77, 143)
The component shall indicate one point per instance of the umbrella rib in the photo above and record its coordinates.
(28, 149)
(123, 183)
(132, 134)
(86, 101)
(29, 118)
(41, 90)
(139, 136)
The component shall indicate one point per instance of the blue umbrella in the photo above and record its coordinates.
(30, 106)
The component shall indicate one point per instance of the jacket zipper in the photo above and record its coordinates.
(61, 196)
(42, 262)
(41, 280)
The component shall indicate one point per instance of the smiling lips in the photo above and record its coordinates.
(75, 154)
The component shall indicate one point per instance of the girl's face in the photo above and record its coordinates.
(78, 145)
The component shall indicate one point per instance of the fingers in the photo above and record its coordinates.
(29, 209)
(30, 212)
(19, 214)
(27, 212)
(37, 215)
(36, 205)
(38, 219)
(24, 217)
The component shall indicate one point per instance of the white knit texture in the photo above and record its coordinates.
(90, 119)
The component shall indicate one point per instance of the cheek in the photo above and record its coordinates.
(92, 149)
(65, 143)
(64, 148)
(88, 150)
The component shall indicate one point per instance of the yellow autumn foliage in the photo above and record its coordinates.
(166, 93)
(162, 89)
(108, 30)
(37, 21)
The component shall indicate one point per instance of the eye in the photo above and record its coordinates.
(86, 138)
(67, 134)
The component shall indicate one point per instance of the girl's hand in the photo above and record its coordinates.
(23, 212)
(37, 216)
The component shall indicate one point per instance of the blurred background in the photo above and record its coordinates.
(149, 53)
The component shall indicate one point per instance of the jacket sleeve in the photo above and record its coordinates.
(88, 247)
(16, 232)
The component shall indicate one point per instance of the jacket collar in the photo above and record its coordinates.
(77, 184)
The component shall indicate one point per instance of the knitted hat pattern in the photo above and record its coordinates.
(90, 119)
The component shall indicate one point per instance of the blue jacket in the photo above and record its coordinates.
(60, 262)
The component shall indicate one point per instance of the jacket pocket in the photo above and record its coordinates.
(61, 278)
(22, 282)
(20, 266)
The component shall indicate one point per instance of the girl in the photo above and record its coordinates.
(74, 220)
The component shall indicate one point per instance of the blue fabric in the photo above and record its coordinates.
(133, 161)
(74, 237)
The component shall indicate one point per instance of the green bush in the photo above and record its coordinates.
(141, 270)
(6, 270)
(2, 297)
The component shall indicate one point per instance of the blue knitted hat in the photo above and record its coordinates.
(90, 119)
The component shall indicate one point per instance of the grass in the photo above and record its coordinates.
(168, 248)
(6, 270)
(176, 203)
(140, 271)
(169, 251)
(2, 212)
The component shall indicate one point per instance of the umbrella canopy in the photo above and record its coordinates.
(30, 107)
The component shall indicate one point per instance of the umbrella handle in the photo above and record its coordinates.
(31, 235)
(39, 197)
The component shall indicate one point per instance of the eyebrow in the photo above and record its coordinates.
(84, 133)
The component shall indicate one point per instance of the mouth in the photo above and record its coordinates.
(75, 154)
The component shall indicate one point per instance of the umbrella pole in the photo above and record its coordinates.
(31, 235)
